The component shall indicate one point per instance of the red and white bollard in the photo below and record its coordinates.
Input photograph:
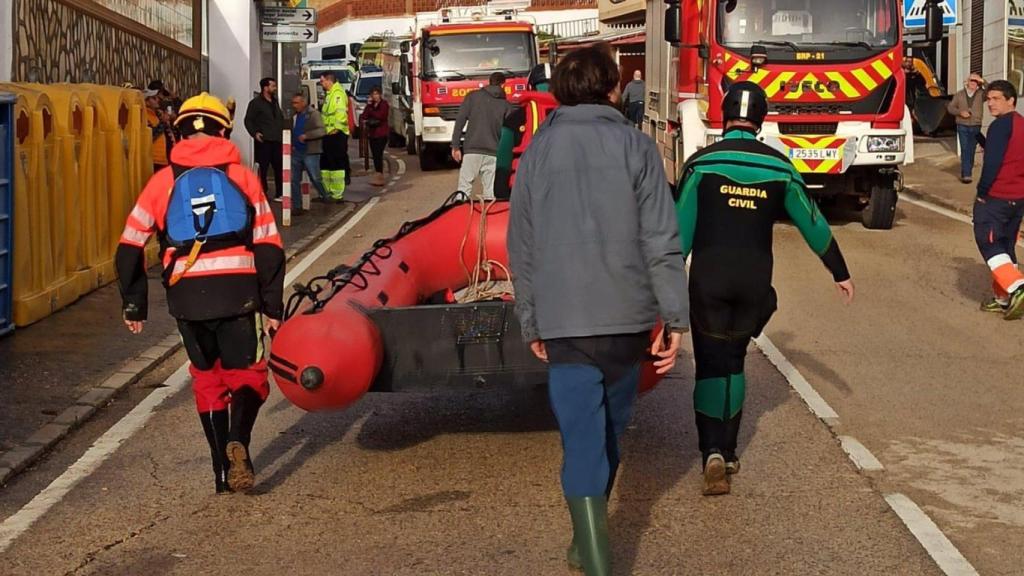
(305, 190)
(286, 185)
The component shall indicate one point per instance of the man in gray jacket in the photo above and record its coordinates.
(307, 145)
(966, 107)
(596, 260)
(484, 110)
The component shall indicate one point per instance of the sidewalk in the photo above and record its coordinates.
(935, 174)
(56, 373)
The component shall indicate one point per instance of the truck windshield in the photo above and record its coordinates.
(365, 84)
(868, 24)
(479, 54)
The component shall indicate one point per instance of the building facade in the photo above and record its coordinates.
(104, 41)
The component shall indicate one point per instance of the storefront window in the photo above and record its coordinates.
(172, 18)
(1015, 46)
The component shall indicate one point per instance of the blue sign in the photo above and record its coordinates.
(913, 13)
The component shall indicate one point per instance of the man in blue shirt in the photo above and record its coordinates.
(307, 145)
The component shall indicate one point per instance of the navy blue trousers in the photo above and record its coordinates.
(592, 415)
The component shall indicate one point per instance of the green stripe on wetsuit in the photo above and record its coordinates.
(720, 398)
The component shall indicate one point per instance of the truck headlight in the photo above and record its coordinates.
(712, 139)
(885, 144)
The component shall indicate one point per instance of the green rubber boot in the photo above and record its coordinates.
(590, 546)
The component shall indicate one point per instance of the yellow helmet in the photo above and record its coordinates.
(204, 106)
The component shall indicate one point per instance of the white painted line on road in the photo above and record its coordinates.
(937, 209)
(331, 240)
(945, 212)
(860, 455)
(106, 445)
(942, 551)
(814, 401)
(18, 523)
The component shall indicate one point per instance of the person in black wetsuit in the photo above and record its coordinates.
(730, 196)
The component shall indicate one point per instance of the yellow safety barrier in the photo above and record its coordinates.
(69, 121)
(83, 153)
(128, 155)
(41, 284)
(100, 244)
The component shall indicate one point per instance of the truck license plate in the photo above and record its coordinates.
(815, 153)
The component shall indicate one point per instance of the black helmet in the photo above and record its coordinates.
(541, 74)
(745, 101)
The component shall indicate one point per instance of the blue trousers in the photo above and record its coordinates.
(592, 415)
(311, 164)
(968, 145)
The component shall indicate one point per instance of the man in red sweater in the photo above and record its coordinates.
(999, 208)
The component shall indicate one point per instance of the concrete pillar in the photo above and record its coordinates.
(234, 40)
(6, 39)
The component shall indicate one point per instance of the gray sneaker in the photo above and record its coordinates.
(716, 481)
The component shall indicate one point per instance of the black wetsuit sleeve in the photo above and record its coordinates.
(814, 228)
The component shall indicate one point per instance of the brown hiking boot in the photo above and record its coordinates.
(240, 474)
(716, 481)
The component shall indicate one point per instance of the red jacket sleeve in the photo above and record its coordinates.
(130, 258)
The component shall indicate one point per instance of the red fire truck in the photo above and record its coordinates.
(452, 53)
(833, 73)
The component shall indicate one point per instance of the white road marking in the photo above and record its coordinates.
(810, 396)
(917, 201)
(860, 455)
(18, 523)
(942, 551)
(106, 445)
(331, 240)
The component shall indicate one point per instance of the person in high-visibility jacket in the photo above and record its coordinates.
(531, 108)
(334, 165)
(221, 280)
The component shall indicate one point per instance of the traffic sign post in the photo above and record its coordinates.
(284, 16)
(914, 10)
(303, 34)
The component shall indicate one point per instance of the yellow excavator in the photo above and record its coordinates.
(926, 99)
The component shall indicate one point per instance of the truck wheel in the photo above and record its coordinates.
(410, 141)
(880, 212)
(428, 157)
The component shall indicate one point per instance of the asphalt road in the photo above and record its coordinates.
(466, 483)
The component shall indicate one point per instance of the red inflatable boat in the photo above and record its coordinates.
(390, 322)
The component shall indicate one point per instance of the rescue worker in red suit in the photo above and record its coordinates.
(219, 286)
(531, 108)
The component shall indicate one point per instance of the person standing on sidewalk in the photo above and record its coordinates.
(224, 272)
(966, 107)
(485, 110)
(159, 122)
(730, 196)
(374, 121)
(596, 261)
(633, 97)
(999, 207)
(264, 121)
(334, 163)
(307, 145)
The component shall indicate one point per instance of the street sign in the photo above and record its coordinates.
(913, 13)
(277, 15)
(290, 33)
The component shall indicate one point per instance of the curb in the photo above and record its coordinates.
(17, 459)
(914, 192)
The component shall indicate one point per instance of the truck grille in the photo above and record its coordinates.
(449, 112)
(805, 109)
(808, 129)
